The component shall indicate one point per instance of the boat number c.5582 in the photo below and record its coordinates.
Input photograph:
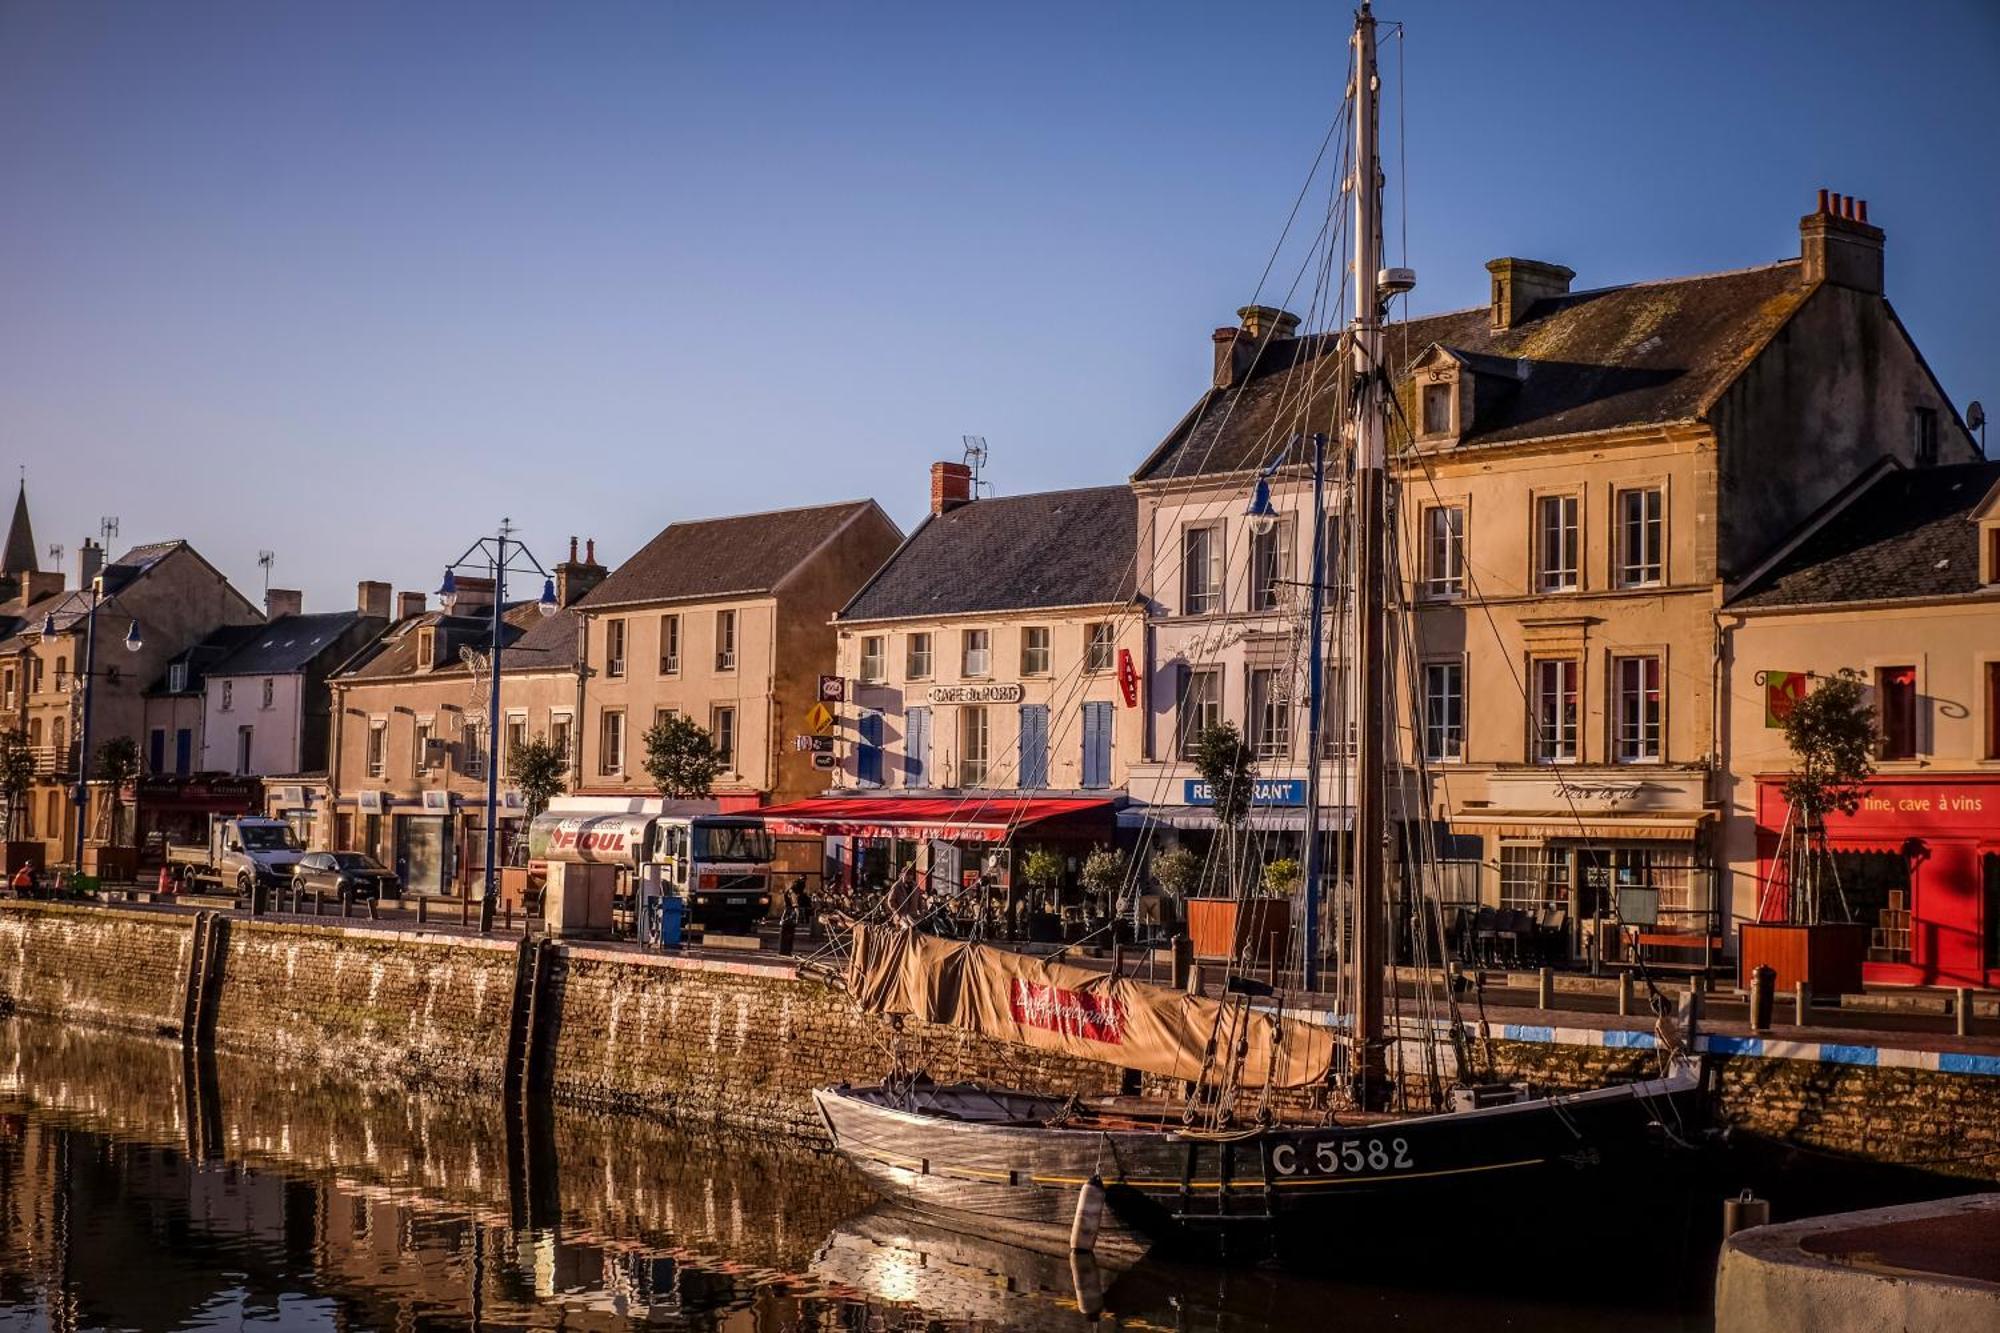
(1332, 1157)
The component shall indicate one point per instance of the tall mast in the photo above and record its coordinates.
(1371, 804)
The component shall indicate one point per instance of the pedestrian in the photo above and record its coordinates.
(24, 880)
(906, 897)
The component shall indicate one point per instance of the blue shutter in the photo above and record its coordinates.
(184, 749)
(1097, 745)
(1034, 745)
(868, 757)
(156, 751)
(916, 746)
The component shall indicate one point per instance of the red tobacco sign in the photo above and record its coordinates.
(1128, 678)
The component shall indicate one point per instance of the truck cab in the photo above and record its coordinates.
(719, 864)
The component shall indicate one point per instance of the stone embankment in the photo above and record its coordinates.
(742, 1043)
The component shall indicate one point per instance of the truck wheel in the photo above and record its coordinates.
(243, 885)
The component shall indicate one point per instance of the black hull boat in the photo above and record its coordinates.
(1015, 1163)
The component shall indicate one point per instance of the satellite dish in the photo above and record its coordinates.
(1975, 415)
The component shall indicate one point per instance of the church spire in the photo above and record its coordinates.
(18, 557)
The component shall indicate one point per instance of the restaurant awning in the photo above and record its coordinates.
(1666, 825)
(980, 818)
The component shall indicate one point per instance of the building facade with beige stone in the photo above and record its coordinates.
(723, 621)
(1580, 478)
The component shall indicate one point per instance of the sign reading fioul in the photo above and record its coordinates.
(1266, 791)
(975, 694)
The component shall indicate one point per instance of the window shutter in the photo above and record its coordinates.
(1034, 745)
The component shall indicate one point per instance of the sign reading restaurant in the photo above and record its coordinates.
(1266, 791)
(975, 694)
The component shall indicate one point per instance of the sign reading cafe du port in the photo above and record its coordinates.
(975, 694)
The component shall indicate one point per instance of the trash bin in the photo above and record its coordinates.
(1763, 989)
(672, 907)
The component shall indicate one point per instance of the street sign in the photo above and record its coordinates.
(820, 719)
(826, 760)
(813, 744)
(832, 690)
(1783, 691)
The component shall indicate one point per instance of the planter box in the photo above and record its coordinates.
(116, 865)
(1826, 957)
(1222, 927)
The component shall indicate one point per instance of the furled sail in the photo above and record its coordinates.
(1074, 1010)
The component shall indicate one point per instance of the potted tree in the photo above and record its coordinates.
(541, 773)
(1103, 879)
(1240, 920)
(1176, 874)
(1831, 734)
(116, 764)
(17, 776)
(1043, 868)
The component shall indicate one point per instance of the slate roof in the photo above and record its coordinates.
(1908, 535)
(1010, 553)
(1644, 354)
(19, 554)
(743, 555)
(287, 644)
(535, 643)
(199, 657)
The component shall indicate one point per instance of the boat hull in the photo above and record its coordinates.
(942, 1150)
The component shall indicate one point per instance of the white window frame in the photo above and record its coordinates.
(1555, 681)
(1637, 738)
(1444, 710)
(270, 694)
(670, 644)
(1208, 705)
(874, 666)
(1271, 565)
(974, 761)
(722, 733)
(375, 757)
(610, 758)
(1037, 650)
(504, 755)
(1270, 717)
(1444, 551)
(562, 733)
(614, 646)
(1646, 568)
(1100, 646)
(1208, 596)
(725, 639)
(917, 660)
(975, 663)
(1567, 530)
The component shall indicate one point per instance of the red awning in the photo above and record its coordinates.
(962, 819)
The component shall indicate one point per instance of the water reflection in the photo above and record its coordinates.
(141, 1189)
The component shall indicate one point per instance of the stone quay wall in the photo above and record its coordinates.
(742, 1043)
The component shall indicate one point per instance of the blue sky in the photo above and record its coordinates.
(351, 281)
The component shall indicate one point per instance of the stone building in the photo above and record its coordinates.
(1582, 475)
(983, 669)
(407, 782)
(724, 621)
(176, 597)
(1899, 579)
(266, 706)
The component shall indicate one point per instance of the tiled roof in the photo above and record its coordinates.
(286, 644)
(533, 642)
(1622, 356)
(743, 555)
(199, 657)
(1010, 553)
(1909, 534)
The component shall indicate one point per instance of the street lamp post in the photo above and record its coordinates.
(498, 555)
(134, 641)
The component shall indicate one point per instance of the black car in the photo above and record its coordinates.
(349, 876)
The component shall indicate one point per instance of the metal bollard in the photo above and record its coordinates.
(1802, 1003)
(346, 907)
(423, 904)
(1183, 961)
(373, 906)
(1545, 988)
(1962, 1007)
(1744, 1211)
(465, 911)
(1762, 981)
(1624, 994)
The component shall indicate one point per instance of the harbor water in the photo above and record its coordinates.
(145, 1188)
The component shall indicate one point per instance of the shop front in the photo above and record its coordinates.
(177, 809)
(1600, 864)
(1918, 864)
(955, 842)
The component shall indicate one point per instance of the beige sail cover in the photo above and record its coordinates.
(1074, 1010)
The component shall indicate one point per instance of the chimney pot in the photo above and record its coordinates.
(574, 579)
(1822, 200)
(409, 604)
(89, 562)
(1267, 322)
(951, 486)
(1838, 245)
(590, 551)
(572, 549)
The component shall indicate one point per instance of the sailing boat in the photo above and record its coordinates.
(1253, 1143)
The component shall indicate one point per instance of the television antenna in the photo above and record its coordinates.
(975, 458)
(107, 529)
(265, 559)
(1975, 419)
(56, 554)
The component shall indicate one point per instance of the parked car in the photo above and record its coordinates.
(349, 876)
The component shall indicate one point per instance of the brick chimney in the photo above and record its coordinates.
(1236, 349)
(371, 598)
(1836, 244)
(283, 602)
(951, 486)
(1267, 321)
(1519, 283)
(39, 583)
(576, 577)
(89, 562)
(409, 604)
(475, 597)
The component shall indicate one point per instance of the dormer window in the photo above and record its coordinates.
(1434, 404)
(427, 648)
(1437, 409)
(1990, 576)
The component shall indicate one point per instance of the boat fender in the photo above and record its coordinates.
(1089, 1216)
(1089, 1284)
